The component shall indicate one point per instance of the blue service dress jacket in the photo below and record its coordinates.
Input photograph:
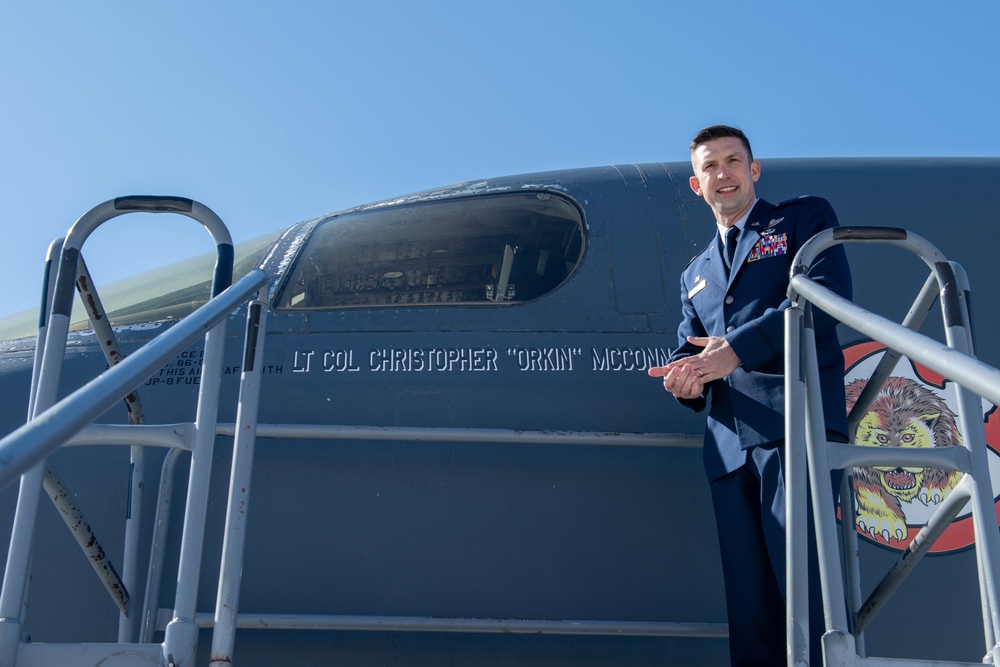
(747, 308)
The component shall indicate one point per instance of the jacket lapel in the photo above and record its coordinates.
(758, 221)
(714, 267)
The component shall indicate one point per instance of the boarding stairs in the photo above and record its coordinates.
(53, 424)
(847, 613)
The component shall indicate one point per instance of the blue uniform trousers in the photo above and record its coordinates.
(750, 516)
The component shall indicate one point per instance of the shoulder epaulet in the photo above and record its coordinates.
(798, 200)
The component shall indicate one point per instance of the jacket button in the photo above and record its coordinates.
(730, 329)
(729, 299)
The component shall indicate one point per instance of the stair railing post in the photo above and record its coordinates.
(238, 509)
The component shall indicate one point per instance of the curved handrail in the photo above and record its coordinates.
(56, 321)
(963, 368)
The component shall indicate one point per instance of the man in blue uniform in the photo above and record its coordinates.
(730, 356)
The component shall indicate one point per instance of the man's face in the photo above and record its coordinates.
(724, 177)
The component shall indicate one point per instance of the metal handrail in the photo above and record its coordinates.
(32, 442)
(57, 322)
(51, 423)
(21, 450)
(955, 361)
(963, 368)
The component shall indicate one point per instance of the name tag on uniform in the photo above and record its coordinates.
(769, 246)
(699, 286)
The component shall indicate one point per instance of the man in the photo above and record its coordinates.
(731, 356)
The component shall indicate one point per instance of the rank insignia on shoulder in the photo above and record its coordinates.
(769, 246)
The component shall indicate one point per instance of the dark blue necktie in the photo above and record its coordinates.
(731, 235)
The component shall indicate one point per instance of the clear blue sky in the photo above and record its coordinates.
(271, 113)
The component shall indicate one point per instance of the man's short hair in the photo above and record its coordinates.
(718, 132)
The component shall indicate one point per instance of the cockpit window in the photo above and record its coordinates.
(490, 249)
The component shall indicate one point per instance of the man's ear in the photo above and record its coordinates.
(696, 184)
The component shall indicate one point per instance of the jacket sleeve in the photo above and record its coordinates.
(760, 342)
(690, 325)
